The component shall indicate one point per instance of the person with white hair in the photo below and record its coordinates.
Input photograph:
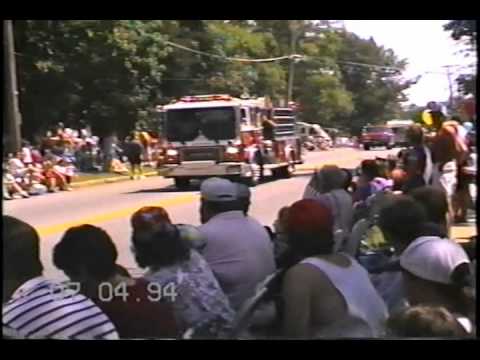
(238, 248)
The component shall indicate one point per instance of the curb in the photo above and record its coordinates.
(108, 180)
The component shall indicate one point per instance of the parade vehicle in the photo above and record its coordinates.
(377, 135)
(314, 134)
(399, 128)
(219, 135)
(286, 137)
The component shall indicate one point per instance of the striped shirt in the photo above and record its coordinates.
(36, 311)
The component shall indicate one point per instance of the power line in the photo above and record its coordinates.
(231, 58)
(285, 57)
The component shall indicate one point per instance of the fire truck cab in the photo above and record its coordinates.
(218, 135)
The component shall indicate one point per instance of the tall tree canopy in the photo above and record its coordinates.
(111, 73)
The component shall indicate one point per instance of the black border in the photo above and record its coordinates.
(236, 10)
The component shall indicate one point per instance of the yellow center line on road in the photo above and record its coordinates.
(101, 218)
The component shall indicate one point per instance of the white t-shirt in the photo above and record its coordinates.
(366, 311)
(17, 167)
(240, 253)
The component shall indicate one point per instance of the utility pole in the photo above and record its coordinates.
(450, 87)
(12, 113)
(291, 70)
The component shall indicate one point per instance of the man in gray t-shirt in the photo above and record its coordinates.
(238, 248)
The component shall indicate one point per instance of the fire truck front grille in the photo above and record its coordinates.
(201, 154)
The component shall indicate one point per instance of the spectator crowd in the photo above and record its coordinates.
(63, 152)
(361, 255)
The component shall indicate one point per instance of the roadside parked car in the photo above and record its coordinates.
(377, 136)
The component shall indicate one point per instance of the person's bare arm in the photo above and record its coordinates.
(296, 295)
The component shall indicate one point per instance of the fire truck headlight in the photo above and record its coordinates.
(231, 150)
(172, 152)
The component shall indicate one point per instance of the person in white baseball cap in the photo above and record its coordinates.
(437, 272)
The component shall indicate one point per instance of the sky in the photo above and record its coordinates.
(425, 45)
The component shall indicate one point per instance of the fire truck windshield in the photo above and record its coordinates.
(213, 123)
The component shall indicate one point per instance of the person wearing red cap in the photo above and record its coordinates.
(327, 294)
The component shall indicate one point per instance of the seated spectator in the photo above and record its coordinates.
(35, 180)
(435, 203)
(327, 186)
(437, 272)
(53, 178)
(239, 249)
(67, 170)
(16, 166)
(369, 181)
(58, 313)
(401, 221)
(26, 153)
(87, 255)
(11, 189)
(198, 300)
(280, 245)
(425, 322)
(37, 158)
(327, 294)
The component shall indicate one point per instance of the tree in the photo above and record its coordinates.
(103, 71)
(465, 30)
(461, 29)
(322, 95)
(376, 91)
(237, 78)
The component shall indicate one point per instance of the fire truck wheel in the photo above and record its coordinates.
(285, 172)
(252, 180)
(181, 183)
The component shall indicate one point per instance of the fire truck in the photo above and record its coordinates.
(219, 135)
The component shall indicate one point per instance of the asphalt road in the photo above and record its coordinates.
(111, 205)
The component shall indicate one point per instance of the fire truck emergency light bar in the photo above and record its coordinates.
(196, 98)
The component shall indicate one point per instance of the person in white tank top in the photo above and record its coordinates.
(327, 295)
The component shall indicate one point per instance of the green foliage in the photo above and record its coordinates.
(376, 91)
(465, 30)
(112, 73)
(102, 71)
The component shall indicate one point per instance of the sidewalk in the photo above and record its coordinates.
(106, 178)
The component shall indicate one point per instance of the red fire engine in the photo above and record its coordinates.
(218, 135)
